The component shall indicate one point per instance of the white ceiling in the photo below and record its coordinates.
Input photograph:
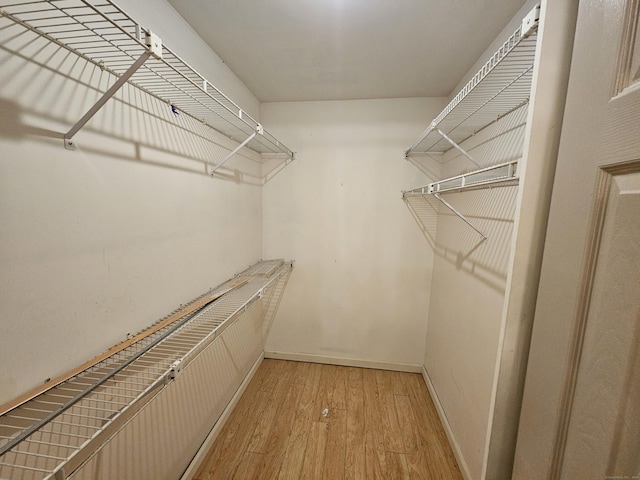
(294, 50)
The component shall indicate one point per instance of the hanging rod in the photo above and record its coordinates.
(103, 34)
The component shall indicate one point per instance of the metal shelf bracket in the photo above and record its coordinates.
(174, 370)
(459, 215)
(154, 48)
(457, 147)
(530, 21)
(259, 131)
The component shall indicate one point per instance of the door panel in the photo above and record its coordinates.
(603, 436)
(580, 415)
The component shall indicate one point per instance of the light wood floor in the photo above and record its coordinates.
(379, 424)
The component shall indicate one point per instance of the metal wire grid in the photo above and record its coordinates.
(273, 294)
(504, 174)
(100, 399)
(100, 32)
(219, 315)
(500, 86)
(266, 267)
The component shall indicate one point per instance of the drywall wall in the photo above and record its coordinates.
(107, 239)
(467, 296)
(481, 309)
(360, 290)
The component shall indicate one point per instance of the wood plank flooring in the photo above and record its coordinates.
(377, 424)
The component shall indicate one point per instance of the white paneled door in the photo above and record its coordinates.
(581, 410)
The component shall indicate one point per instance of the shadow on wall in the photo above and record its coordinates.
(45, 90)
(424, 210)
(427, 163)
(499, 142)
(11, 126)
(491, 210)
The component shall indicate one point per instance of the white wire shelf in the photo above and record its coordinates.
(502, 85)
(499, 87)
(498, 175)
(100, 32)
(51, 434)
(502, 175)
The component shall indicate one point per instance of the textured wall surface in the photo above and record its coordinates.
(360, 289)
(105, 240)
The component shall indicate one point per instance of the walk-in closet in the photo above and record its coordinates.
(345, 239)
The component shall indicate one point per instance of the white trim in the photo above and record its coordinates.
(347, 362)
(464, 469)
(201, 454)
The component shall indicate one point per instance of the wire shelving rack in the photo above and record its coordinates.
(502, 85)
(502, 173)
(49, 435)
(103, 34)
(499, 87)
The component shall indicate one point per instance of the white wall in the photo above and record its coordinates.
(360, 289)
(467, 293)
(107, 239)
(483, 298)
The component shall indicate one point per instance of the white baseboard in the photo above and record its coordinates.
(213, 434)
(464, 469)
(347, 362)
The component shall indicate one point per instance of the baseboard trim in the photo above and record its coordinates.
(346, 362)
(464, 469)
(215, 431)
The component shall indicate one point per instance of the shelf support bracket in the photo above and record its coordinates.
(458, 214)
(457, 147)
(154, 47)
(259, 130)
